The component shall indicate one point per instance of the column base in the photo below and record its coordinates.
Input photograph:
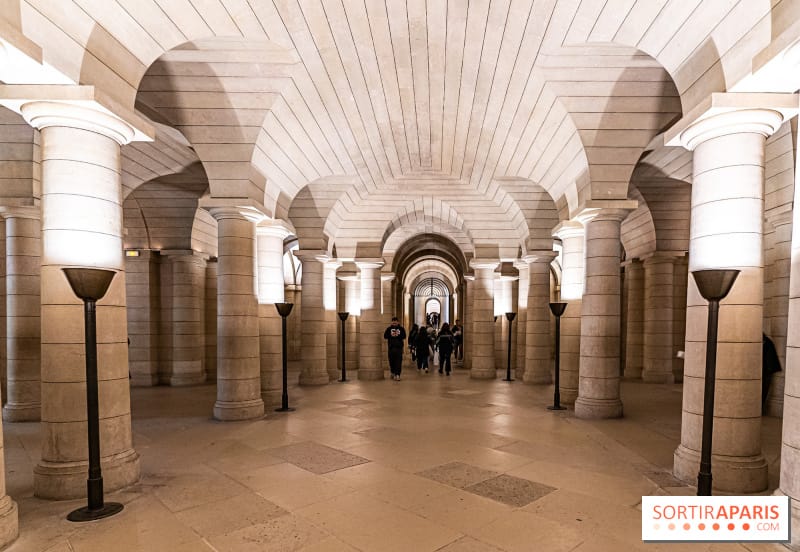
(271, 397)
(144, 380)
(538, 379)
(568, 396)
(22, 412)
(593, 409)
(658, 377)
(9, 521)
(482, 373)
(370, 375)
(632, 373)
(229, 411)
(184, 380)
(314, 379)
(730, 474)
(67, 480)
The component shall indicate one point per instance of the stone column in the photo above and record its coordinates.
(780, 306)
(634, 329)
(598, 385)
(211, 319)
(539, 340)
(572, 235)
(23, 309)
(3, 332)
(482, 335)
(504, 301)
(269, 258)
(727, 208)
(522, 317)
(469, 315)
(81, 226)
(352, 302)
(332, 321)
(238, 366)
(388, 310)
(314, 352)
(370, 365)
(658, 279)
(187, 328)
(790, 447)
(681, 275)
(143, 291)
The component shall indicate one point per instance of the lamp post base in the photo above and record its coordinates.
(553, 407)
(508, 379)
(287, 409)
(85, 514)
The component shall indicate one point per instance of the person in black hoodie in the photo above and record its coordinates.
(412, 341)
(444, 344)
(395, 336)
(423, 346)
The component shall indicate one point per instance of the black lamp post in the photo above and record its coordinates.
(284, 309)
(90, 285)
(557, 309)
(510, 316)
(713, 285)
(343, 317)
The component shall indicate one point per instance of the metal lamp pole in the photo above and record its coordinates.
(284, 309)
(557, 309)
(510, 317)
(343, 317)
(713, 285)
(90, 285)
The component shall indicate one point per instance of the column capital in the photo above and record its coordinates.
(319, 255)
(662, 257)
(485, 264)
(469, 277)
(223, 208)
(569, 229)
(333, 263)
(724, 113)
(274, 228)
(348, 276)
(19, 211)
(537, 257)
(369, 263)
(387, 276)
(42, 114)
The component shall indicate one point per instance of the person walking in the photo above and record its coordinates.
(444, 343)
(412, 340)
(395, 335)
(423, 347)
(458, 340)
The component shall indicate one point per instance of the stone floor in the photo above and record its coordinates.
(427, 463)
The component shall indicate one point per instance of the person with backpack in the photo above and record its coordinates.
(444, 344)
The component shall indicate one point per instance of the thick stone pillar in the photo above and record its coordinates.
(504, 302)
(634, 329)
(143, 292)
(469, 315)
(680, 281)
(187, 327)
(314, 352)
(658, 317)
(23, 310)
(539, 341)
(482, 335)
(81, 226)
(3, 333)
(522, 319)
(211, 319)
(238, 366)
(370, 365)
(332, 321)
(727, 208)
(388, 310)
(352, 304)
(269, 259)
(778, 322)
(598, 385)
(572, 235)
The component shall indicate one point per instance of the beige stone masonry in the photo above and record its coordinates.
(23, 308)
(388, 309)
(370, 360)
(572, 235)
(238, 363)
(332, 322)
(351, 299)
(482, 335)
(726, 232)
(680, 283)
(143, 290)
(211, 319)
(658, 318)
(634, 328)
(779, 297)
(468, 321)
(314, 370)
(522, 317)
(539, 342)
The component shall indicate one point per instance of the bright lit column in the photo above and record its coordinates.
(238, 367)
(726, 232)
(539, 341)
(23, 310)
(331, 319)
(352, 304)
(634, 329)
(781, 268)
(658, 317)
(572, 236)
(598, 384)
(482, 335)
(211, 319)
(681, 276)
(370, 366)
(314, 352)
(503, 303)
(522, 316)
(269, 258)
(187, 345)
(81, 226)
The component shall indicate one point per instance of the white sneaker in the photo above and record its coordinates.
(426, 370)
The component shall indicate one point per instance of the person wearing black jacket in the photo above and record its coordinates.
(395, 335)
(423, 346)
(444, 344)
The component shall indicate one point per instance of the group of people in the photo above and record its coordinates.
(423, 343)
